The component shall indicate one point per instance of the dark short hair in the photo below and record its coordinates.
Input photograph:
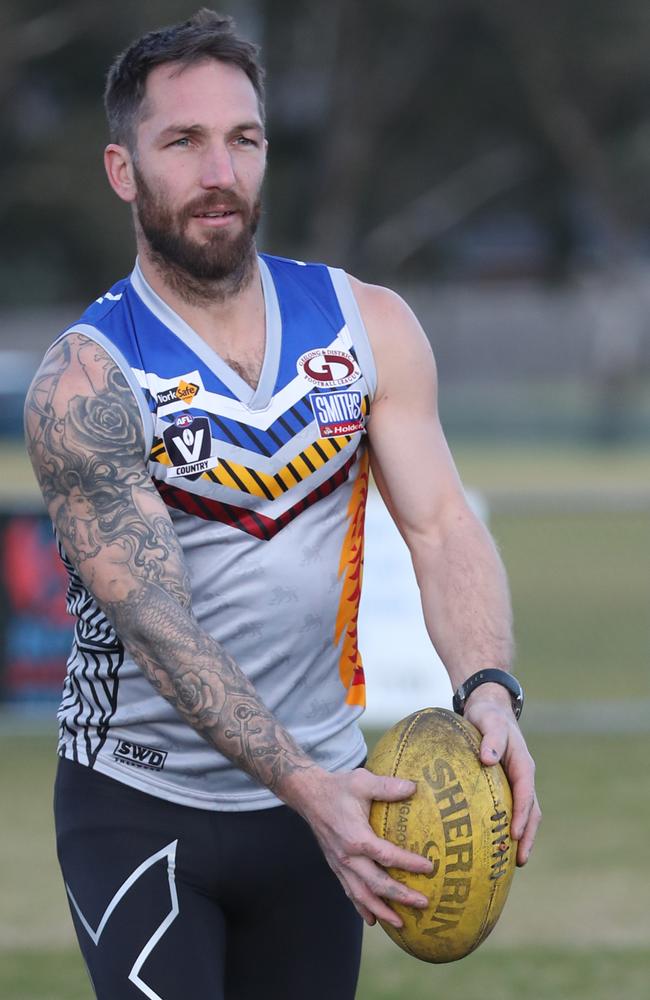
(207, 35)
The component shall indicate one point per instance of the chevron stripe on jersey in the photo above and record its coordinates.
(284, 420)
(259, 525)
(257, 481)
(288, 413)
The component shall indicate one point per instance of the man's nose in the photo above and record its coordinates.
(218, 170)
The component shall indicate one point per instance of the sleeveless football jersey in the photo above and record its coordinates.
(266, 489)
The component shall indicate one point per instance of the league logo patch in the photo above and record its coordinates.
(338, 412)
(328, 368)
(184, 391)
(188, 443)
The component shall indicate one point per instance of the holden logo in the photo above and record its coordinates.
(327, 368)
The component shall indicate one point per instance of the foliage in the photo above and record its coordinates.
(421, 135)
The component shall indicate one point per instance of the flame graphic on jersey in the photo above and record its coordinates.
(351, 568)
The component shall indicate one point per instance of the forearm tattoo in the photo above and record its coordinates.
(85, 440)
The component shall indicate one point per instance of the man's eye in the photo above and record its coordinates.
(244, 140)
(183, 142)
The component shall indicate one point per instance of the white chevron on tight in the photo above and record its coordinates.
(168, 852)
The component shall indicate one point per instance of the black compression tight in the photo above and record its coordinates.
(175, 903)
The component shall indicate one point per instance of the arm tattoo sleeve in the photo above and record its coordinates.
(85, 441)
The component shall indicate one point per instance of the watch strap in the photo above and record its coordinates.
(489, 676)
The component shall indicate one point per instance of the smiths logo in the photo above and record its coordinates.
(337, 412)
(184, 392)
(136, 755)
(328, 368)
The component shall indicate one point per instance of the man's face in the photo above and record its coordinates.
(199, 168)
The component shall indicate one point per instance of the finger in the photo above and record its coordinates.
(369, 904)
(523, 802)
(362, 910)
(521, 773)
(493, 746)
(385, 789)
(527, 841)
(388, 855)
(382, 884)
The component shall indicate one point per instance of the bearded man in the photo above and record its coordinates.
(205, 421)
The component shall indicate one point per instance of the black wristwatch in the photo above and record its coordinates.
(490, 676)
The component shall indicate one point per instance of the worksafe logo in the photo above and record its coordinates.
(137, 755)
(184, 391)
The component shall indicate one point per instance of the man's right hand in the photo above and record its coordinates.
(336, 806)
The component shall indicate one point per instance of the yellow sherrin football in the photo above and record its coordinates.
(459, 818)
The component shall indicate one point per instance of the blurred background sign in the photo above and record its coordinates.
(35, 629)
(404, 671)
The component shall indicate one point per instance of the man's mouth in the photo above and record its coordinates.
(214, 215)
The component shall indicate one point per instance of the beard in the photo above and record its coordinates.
(214, 268)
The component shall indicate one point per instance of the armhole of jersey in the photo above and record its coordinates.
(356, 327)
(116, 355)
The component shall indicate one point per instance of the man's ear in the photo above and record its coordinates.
(119, 170)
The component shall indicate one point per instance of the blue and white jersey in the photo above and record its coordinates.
(266, 489)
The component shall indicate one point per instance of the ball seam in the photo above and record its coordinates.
(400, 753)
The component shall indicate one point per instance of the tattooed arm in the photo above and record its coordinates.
(85, 441)
(86, 444)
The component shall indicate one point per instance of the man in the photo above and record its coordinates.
(198, 435)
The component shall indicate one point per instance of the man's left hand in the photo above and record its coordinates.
(503, 741)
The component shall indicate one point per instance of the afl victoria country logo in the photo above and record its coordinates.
(188, 443)
(328, 368)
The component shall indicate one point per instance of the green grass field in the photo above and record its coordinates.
(580, 585)
(577, 924)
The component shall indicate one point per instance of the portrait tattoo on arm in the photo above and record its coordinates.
(86, 443)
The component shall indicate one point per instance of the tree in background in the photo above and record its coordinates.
(431, 115)
(409, 137)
